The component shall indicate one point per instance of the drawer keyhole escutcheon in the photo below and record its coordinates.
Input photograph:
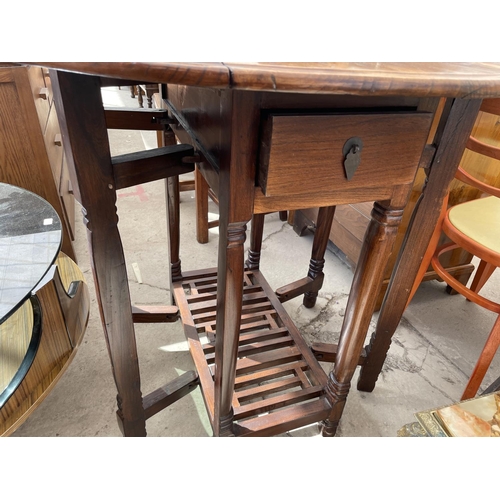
(352, 156)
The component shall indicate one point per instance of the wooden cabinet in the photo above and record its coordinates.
(31, 152)
(350, 221)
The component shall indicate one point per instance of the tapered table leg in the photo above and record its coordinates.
(236, 188)
(229, 304)
(375, 253)
(83, 125)
(448, 154)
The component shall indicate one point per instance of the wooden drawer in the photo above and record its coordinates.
(41, 96)
(67, 199)
(303, 154)
(53, 145)
(48, 84)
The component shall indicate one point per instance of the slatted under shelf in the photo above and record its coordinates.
(279, 383)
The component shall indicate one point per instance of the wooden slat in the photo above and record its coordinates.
(195, 347)
(249, 338)
(266, 389)
(258, 310)
(300, 287)
(273, 403)
(145, 166)
(267, 359)
(155, 314)
(169, 393)
(319, 374)
(328, 353)
(257, 347)
(305, 381)
(257, 325)
(269, 374)
(248, 298)
(135, 119)
(200, 274)
(187, 185)
(286, 419)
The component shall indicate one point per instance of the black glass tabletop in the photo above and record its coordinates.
(30, 240)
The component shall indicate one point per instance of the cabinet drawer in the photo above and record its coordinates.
(53, 144)
(41, 95)
(48, 84)
(303, 154)
(67, 199)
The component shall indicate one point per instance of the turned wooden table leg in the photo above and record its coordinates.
(450, 147)
(140, 93)
(320, 242)
(83, 125)
(229, 303)
(201, 196)
(256, 233)
(172, 194)
(236, 188)
(376, 250)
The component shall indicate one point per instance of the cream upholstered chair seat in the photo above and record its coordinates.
(479, 220)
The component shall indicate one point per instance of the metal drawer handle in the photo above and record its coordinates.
(352, 156)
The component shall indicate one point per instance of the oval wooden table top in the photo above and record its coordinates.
(464, 80)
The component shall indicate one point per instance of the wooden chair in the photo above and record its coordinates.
(96, 177)
(143, 89)
(475, 227)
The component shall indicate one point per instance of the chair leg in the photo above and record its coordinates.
(431, 248)
(483, 273)
(140, 93)
(484, 361)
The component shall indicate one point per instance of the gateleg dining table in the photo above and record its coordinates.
(270, 137)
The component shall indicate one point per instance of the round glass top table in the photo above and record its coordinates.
(30, 240)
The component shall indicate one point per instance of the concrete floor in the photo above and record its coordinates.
(431, 357)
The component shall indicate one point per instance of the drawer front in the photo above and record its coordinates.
(304, 154)
(48, 84)
(41, 95)
(53, 144)
(67, 199)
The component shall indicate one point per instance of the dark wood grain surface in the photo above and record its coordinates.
(476, 80)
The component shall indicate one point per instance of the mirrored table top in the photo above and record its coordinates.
(30, 240)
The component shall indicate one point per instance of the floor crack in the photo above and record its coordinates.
(150, 286)
(283, 227)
